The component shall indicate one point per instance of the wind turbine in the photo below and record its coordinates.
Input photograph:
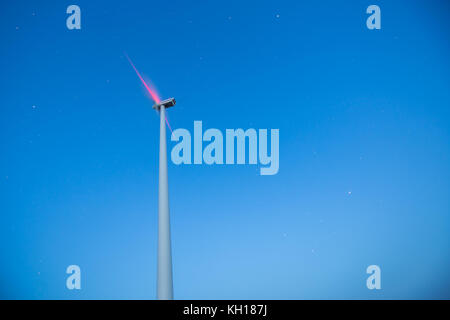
(164, 281)
(164, 277)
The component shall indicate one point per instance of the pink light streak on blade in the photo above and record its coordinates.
(168, 125)
(152, 93)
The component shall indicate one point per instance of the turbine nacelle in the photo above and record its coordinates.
(166, 103)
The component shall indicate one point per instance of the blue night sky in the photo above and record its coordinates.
(364, 149)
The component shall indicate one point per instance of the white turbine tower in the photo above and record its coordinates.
(164, 280)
